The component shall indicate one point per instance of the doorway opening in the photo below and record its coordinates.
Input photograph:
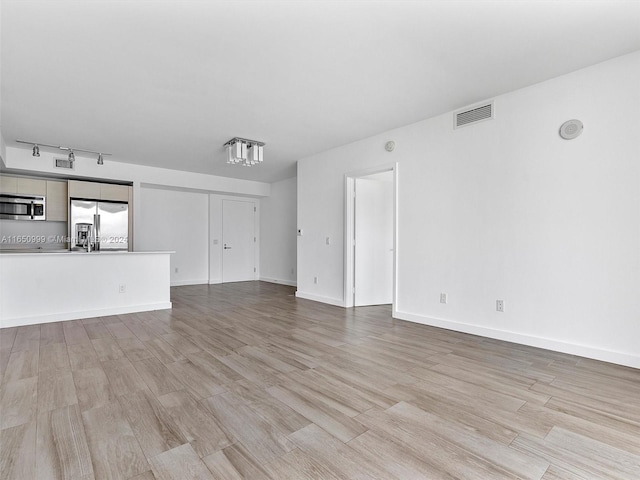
(371, 237)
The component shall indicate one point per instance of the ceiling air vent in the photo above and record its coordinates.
(62, 163)
(473, 115)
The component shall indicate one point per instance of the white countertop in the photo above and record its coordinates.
(67, 252)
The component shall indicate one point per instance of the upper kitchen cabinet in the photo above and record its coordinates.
(23, 185)
(8, 184)
(98, 191)
(89, 190)
(57, 201)
(116, 193)
(31, 186)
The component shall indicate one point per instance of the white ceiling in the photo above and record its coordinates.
(166, 83)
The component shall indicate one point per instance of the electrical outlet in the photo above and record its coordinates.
(175, 270)
(443, 298)
(122, 289)
(293, 271)
(315, 280)
(500, 305)
(328, 241)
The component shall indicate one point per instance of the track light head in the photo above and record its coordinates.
(36, 151)
(100, 159)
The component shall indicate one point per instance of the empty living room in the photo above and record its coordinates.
(320, 239)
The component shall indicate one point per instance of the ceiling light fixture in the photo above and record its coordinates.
(241, 151)
(72, 157)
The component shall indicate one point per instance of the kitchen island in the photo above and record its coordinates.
(55, 286)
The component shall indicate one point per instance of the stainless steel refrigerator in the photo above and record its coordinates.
(109, 223)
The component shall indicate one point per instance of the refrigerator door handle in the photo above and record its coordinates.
(96, 231)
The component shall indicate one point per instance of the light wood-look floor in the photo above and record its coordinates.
(245, 381)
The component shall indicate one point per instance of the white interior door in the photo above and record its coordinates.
(238, 241)
(373, 272)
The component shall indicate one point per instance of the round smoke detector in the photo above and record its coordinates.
(390, 145)
(571, 129)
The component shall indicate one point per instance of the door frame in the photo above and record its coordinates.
(349, 230)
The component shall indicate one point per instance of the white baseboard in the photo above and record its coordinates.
(189, 282)
(611, 356)
(63, 316)
(291, 283)
(338, 302)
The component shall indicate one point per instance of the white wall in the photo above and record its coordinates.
(506, 209)
(278, 233)
(176, 221)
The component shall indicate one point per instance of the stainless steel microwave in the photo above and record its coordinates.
(22, 207)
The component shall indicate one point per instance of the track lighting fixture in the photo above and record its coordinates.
(247, 153)
(72, 156)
